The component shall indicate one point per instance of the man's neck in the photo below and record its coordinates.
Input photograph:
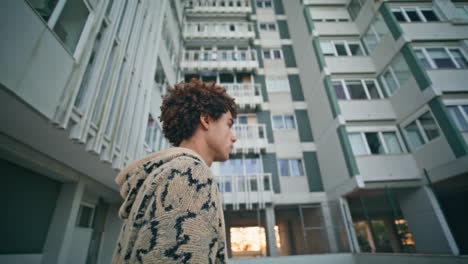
(199, 148)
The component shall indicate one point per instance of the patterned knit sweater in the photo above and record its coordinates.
(172, 211)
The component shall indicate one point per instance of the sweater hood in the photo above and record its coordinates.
(131, 179)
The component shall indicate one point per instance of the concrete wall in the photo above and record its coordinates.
(387, 167)
(336, 28)
(442, 31)
(346, 64)
(367, 110)
(458, 80)
(35, 64)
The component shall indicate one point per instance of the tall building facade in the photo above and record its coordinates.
(352, 127)
(81, 87)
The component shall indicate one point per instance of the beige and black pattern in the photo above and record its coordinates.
(172, 211)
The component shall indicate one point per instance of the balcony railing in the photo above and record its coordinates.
(219, 6)
(246, 94)
(241, 60)
(246, 189)
(201, 30)
(251, 137)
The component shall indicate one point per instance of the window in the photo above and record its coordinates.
(264, 3)
(330, 19)
(374, 34)
(241, 165)
(277, 84)
(272, 54)
(442, 58)
(267, 26)
(71, 22)
(374, 143)
(395, 75)
(290, 167)
(354, 7)
(459, 115)
(462, 12)
(85, 216)
(283, 122)
(357, 89)
(342, 48)
(422, 130)
(415, 14)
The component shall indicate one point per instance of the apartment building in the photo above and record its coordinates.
(352, 127)
(386, 86)
(81, 86)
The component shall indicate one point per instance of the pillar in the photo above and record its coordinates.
(270, 231)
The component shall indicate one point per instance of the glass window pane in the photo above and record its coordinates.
(372, 88)
(459, 57)
(457, 116)
(393, 145)
(289, 121)
(355, 49)
(341, 49)
(296, 167)
(462, 13)
(44, 7)
(357, 144)
(390, 81)
(327, 48)
(267, 4)
(272, 27)
(252, 165)
(370, 39)
(429, 125)
(414, 135)
(263, 26)
(278, 122)
(339, 90)
(71, 23)
(440, 58)
(412, 14)
(398, 15)
(266, 54)
(283, 167)
(401, 69)
(355, 89)
(422, 59)
(430, 15)
(277, 54)
(375, 146)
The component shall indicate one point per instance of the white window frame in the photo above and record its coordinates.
(271, 51)
(366, 90)
(284, 122)
(361, 131)
(420, 129)
(346, 44)
(93, 207)
(267, 25)
(402, 9)
(289, 167)
(447, 49)
(53, 19)
(243, 157)
(459, 104)
(263, 3)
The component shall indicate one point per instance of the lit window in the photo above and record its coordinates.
(290, 167)
(283, 122)
(422, 130)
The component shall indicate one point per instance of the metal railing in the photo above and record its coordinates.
(237, 6)
(221, 29)
(246, 189)
(220, 55)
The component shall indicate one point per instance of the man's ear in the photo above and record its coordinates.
(205, 121)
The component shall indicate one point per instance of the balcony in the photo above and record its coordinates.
(250, 138)
(222, 60)
(219, 6)
(248, 96)
(246, 189)
(233, 30)
(395, 167)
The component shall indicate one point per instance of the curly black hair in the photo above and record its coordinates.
(186, 102)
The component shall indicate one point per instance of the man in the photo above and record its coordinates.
(172, 210)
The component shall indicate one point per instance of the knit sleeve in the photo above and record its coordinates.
(182, 218)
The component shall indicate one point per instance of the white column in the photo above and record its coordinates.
(329, 228)
(60, 234)
(270, 231)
